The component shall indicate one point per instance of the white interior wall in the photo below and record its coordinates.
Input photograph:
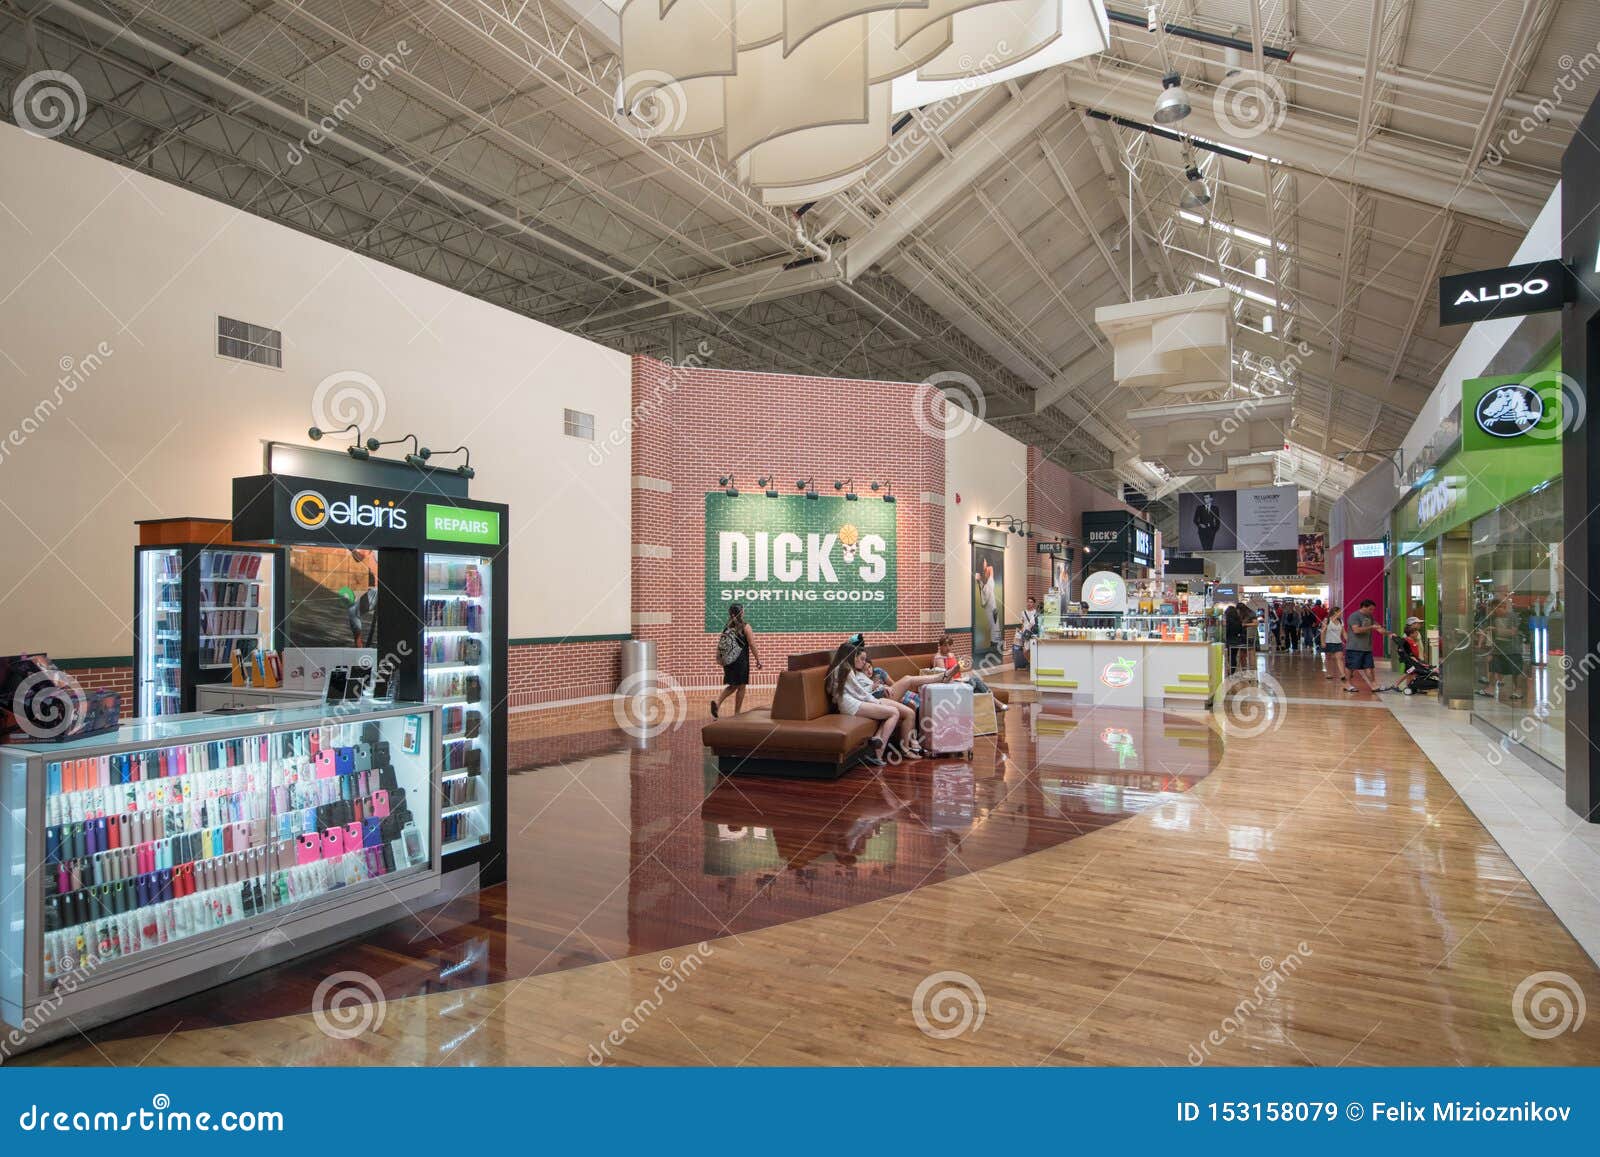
(105, 263)
(988, 471)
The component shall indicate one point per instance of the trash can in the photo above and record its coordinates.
(638, 666)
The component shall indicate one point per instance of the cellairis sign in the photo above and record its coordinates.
(799, 564)
(1510, 292)
(278, 508)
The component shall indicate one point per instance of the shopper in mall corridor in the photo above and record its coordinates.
(1358, 647)
(1233, 636)
(736, 646)
(1333, 646)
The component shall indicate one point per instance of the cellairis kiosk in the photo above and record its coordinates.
(440, 624)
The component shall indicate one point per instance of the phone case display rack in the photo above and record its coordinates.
(187, 835)
(456, 620)
(445, 614)
(195, 607)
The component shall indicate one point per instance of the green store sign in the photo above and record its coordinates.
(1513, 447)
(463, 524)
(801, 565)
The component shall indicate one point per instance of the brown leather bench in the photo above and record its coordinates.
(801, 736)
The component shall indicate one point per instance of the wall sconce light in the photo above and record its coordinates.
(887, 487)
(769, 484)
(849, 494)
(420, 458)
(727, 484)
(465, 469)
(805, 484)
(416, 447)
(356, 450)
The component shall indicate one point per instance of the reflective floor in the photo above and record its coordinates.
(620, 847)
(1287, 881)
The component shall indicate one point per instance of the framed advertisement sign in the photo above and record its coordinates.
(801, 564)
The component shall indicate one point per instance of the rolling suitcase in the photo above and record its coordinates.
(947, 719)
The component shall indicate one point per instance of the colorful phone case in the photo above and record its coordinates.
(352, 837)
(372, 833)
(380, 804)
(363, 757)
(326, 765)
(332, 843)
(345, 758)
(308, 848)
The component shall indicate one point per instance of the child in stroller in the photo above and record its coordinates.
(1418, 677)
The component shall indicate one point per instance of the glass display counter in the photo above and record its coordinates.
(138, 860)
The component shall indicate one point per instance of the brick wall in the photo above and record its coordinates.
(550, 671)
(691, 425)
(1057, 499)
(113, 678)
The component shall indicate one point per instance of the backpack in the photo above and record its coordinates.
(730, 645)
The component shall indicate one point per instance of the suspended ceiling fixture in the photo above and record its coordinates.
(804, 93)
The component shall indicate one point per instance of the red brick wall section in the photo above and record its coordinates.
(692, 424)
(1057, 499)
(118, 679)
(554, 672)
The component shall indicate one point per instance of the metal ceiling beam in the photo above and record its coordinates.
(987, 149)
(1128, 94)
(1507, 79)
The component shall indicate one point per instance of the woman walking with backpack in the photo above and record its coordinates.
(736, 646)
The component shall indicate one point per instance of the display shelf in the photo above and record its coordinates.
(165, 832)
(457, 675)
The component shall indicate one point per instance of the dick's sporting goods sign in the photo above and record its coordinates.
(801, 564)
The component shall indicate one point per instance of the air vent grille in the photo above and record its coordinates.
(577, 424)
(249, 343)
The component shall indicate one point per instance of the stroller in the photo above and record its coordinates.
(1423, 677)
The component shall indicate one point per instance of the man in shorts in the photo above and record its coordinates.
(1358, 647)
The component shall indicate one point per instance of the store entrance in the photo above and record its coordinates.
(1457, 625)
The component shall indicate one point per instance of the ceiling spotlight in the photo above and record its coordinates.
(1173, 103)
(769, 484)
(1196, 196)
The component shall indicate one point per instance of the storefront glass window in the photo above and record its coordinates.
(1518, 611)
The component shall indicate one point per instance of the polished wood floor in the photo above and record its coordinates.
(1118, 888)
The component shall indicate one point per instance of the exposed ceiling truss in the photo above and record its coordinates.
(488, 156)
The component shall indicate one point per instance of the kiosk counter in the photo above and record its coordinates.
(1096, 667)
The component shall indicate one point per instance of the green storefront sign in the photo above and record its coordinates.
(801, 564)
(462, 524)
(1497, 413)
(1491, 468)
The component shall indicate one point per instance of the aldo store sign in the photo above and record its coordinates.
(1538, 287)
(801, 564)
(280, 508)
(1499, 412)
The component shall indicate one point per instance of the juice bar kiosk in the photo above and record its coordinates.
(439, 631)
